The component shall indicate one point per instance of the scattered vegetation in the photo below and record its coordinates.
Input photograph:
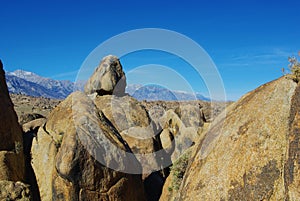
(18, 147)
(59, 140)
(178, 170)
(294, 68)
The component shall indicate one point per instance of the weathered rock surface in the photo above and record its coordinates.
(178, 136)
(14, 191)
(33, 125)
(25, 118)
(12, 164)
(10, 131)
(174, 180)
(209, 110)
(75, 139)
(132, 121)
(191, 115)
(11, 144)
(253, 154)
(108, 78)
(43, 152)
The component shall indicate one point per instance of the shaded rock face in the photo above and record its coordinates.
(14, 191)
(70, 148)
(253, 154)
(11, 144)
(292, 164)
(10, 130)
(172, 184)
(25, 118)
(12, 164)
(108, 78)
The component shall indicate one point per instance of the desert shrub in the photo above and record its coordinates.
(18, 147)
(178, 170)
(294, 68)
(59, 140)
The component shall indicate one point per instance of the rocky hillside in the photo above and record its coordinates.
(105, 145)
(253, 154)
(28, 105)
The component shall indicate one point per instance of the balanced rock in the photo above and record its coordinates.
(108, 78)
(79, 155)
(253, 153)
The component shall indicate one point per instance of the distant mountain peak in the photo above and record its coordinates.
(156, 92)
(22, 73)
(29, 83)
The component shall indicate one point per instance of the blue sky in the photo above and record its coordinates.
(249, 41)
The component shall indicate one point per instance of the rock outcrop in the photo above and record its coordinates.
(25, 118)
(84, 155)
(254, 153)
(34, 125)
(108, 78)
(14, 191)
(132, 121)
(12, 162)
(182, 128)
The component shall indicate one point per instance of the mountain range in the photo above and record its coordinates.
(29, 83)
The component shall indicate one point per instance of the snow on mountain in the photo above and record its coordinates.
(21, 86)
(155, 92)
(31, 84)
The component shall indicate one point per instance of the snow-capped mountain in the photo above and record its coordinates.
(31, 84)
(155, 92)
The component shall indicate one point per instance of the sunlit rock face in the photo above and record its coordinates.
(254, 153)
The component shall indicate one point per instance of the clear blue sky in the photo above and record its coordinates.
(249, 41)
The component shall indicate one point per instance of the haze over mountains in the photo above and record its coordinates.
(29, 83)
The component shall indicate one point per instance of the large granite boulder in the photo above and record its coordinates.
(132, 121)
(178, 136)
(252, 154)
(108, 78)
(79, 155)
